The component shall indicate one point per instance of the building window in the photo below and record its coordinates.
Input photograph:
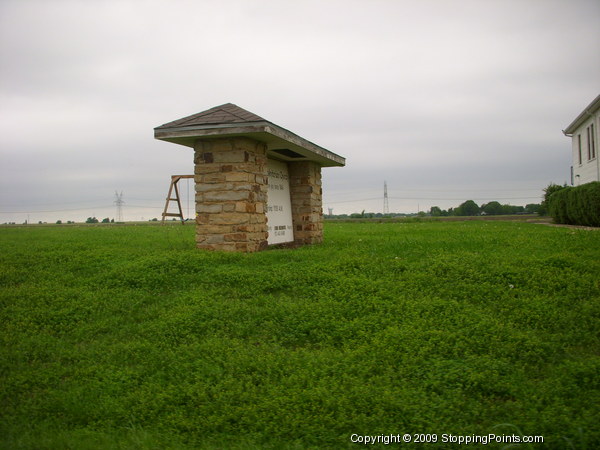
(572, 178)
(593, 137)
(591, 145)
(579, 147)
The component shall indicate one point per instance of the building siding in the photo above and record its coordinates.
(589, 169)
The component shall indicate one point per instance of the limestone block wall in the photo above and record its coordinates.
(231, 194)
(307, 202)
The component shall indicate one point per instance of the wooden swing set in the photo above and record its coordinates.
(177, 199)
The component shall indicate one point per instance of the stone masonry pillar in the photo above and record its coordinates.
(231, 194)
(307, 203)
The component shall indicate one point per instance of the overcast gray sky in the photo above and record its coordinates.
(445, 100)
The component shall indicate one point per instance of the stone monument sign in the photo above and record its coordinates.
(257, 184)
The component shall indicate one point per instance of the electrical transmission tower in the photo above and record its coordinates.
(386, 206)
(119, 202)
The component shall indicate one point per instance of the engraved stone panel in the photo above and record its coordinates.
(279, 206)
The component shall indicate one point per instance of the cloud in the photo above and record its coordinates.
(427, 95)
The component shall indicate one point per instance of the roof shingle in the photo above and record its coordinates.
(227, 113)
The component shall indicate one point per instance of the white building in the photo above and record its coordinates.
(583, 132)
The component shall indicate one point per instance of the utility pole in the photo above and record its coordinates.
(119, 202)
(386, 206)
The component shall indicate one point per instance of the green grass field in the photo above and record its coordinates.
(126, 337)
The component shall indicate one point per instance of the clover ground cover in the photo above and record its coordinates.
(127, 337)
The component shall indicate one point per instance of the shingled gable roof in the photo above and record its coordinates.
(227, 113)
(230, 120)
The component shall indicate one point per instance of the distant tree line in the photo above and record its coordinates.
(94, 220)
(494, 208)
(368, 215)
(468, 208)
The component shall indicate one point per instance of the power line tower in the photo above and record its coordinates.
(119, 202)
(386, 205)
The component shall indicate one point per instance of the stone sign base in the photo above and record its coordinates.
(306, 195)
(231, 194)
(257, 184)
(231, 178)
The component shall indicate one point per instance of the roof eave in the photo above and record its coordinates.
(583, 116)
(264, 131)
